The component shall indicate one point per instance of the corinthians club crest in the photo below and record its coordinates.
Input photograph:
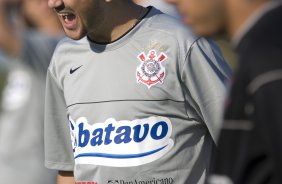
(151, 71)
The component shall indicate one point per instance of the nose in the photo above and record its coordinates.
(54, 3)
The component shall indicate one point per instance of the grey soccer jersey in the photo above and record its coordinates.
(143, 109)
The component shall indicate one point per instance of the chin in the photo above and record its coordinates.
(75, 35)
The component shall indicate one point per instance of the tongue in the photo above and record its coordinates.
(70, 21)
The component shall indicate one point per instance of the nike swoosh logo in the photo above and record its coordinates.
(73, 70)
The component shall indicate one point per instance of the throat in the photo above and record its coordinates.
(117, 29)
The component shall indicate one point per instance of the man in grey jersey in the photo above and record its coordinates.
(132, 97)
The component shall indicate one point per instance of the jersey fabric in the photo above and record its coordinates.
(22, 112)
(251, 139)
(143, 109)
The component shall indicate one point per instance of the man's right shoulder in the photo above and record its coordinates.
(67, 42)
(68, 46)
(65, 50)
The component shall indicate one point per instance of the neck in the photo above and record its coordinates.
(121, 18)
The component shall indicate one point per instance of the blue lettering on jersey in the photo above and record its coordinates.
(121, 143)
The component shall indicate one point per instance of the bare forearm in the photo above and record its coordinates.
(65, 177)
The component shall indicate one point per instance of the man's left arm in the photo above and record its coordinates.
(206, 75)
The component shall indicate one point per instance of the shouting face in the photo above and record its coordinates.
(78, 17)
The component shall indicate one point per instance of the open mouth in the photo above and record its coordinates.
(67, 16)
(68, 19)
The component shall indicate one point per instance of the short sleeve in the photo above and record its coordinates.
(58, 149)
(206, 76)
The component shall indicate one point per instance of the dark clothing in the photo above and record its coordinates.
(250, 145)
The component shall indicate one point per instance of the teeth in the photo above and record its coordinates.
(65, 15)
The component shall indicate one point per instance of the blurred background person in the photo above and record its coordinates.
(3, 74)
(161, 5)
(27, 41)
(250, 145)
